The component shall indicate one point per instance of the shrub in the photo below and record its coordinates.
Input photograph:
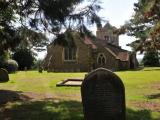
(11, 66)
(24, 57)
(151, 59)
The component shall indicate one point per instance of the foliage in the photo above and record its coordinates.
(4, 57)
(145, 25)
(53, 16)
(32, 40)
(24, 57)
(9, 38)
(11, 66)
(37, 64)
(151, 59)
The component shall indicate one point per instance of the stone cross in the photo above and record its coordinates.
(103, 96)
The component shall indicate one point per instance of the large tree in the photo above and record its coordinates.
(145, 25)
(24, 57)
(151, 59)
(54, 16)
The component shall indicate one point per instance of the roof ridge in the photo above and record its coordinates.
(112, 53)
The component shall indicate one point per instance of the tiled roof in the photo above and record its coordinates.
(88, 41)
(116, 51)
(124, 56)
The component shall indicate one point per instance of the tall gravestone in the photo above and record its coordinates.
(103, 96)
(4, 77)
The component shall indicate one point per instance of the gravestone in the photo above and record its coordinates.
(3, 75)
(40, 70)
(103, 96)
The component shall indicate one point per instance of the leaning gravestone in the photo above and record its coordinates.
(103, 96)
(3, 75)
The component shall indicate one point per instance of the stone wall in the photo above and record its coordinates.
(82, 62)
(113, 38)
(111, 62)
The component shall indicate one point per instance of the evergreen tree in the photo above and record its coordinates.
(24, 57)
(54, 16)
(151, 59)
(145, 25)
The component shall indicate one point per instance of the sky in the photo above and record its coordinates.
(117, 12)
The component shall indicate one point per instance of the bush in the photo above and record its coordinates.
(151, 59)
(25, 58)
(3, 58)
(37, 64)
(11, 66)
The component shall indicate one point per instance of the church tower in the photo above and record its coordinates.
(107, 33)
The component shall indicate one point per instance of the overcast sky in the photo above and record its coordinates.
(116, 12)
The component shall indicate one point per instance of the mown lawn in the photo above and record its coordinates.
(42, 100)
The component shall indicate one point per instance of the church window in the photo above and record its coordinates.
(101, 60)
(70, 53)
(106, 38)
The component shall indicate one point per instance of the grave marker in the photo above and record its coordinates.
(103, 96)
(4, 75)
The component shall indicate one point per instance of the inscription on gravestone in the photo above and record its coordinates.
(103, 96)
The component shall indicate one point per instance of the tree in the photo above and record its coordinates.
(3, 58)
(145, 25)
(24, 57)
(54, 16)
(31, 40)
(151, 59)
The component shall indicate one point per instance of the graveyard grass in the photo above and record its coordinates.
(64, 103)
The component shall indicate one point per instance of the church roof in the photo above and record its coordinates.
(115, 51)
(88, 41)
(123, 56)
(108, 26)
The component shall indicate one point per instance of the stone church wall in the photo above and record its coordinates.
(82, 63)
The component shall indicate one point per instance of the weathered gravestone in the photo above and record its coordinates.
(3, 75)
(103, 96)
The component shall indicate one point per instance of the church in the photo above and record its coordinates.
(88, 54)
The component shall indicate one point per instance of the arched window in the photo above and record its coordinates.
(70, 53)
(101, 59)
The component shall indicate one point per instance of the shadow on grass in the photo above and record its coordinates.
(11, 96)
(154, 96)
(156, 69)
(137, 69)
(44, 110)
(58, 110)
(139, 115)
(26, 109)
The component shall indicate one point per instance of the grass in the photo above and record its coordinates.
(142, 96)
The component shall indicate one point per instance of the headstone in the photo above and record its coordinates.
(103, 96)
(25, 69)
(40, 70)
(4, 75)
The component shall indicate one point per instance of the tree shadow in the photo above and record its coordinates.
(154, 69)
(139, 115)
(51, 109)
(154, 96)
(44, 110)
(11, 96)
(136, 69)
(59, 110)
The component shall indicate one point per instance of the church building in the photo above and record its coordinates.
(88, 54)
